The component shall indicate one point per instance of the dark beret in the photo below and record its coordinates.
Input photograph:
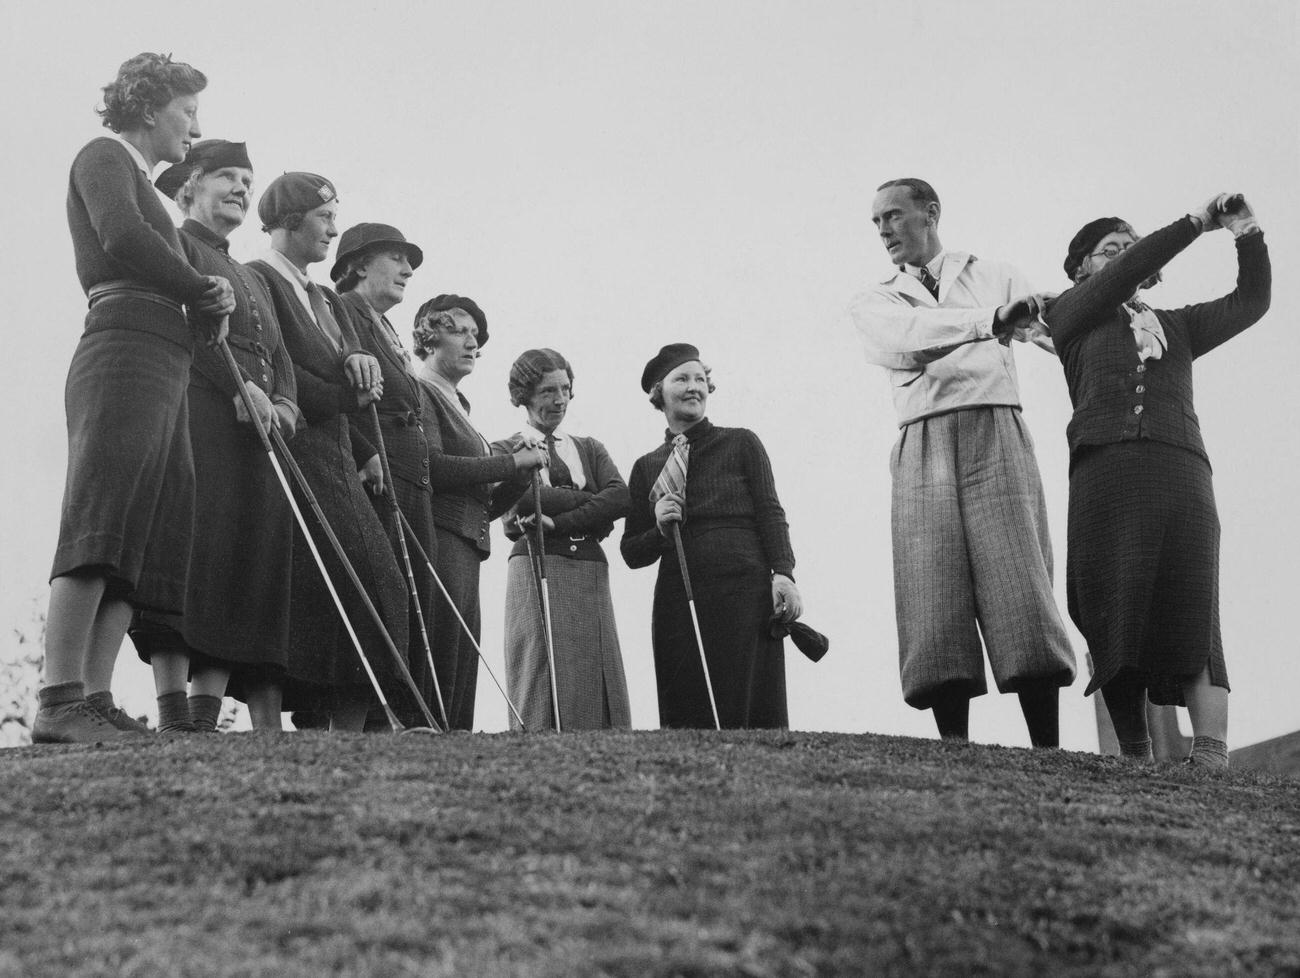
(1081, 244)
(672, 355)
(362, 237)
(529, 368)
(206, 155)
(445, 303)
(293, 193)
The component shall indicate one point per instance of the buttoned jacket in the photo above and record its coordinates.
(941, 354)
(1118, 397)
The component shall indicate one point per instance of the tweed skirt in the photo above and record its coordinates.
(589, 673)
(1142, 568)
(972, 557)
(323, 668)
(128, 500)
(454, 656)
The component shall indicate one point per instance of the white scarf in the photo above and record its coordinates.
(1147, 331)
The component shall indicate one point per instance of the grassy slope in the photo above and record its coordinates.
(637, 854)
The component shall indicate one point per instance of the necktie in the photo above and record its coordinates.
(929, 281)
(561, 477)
(324, 318)
(673, 477)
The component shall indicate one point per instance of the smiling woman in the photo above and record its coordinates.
(129, 497)
(711, 489)
(234, 626)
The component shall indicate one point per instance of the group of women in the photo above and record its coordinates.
(279, 502)
(178, 521)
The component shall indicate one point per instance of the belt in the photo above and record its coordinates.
(254, 347)
(133, 290)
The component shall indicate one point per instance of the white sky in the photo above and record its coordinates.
(605, 177)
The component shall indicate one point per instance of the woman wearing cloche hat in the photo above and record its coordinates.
(715, 486)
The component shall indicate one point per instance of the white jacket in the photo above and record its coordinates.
(941, 355)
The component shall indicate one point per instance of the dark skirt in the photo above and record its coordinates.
(128, 502)
(414, 501)
(453, 653)
(1142, 568)
(323, 666)
(588, 661)
(237, 600)
(733, 599)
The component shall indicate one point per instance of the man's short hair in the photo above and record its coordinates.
(922, 193)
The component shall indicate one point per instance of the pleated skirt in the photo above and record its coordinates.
(128, 499)
(1142, 568)
(589, 677)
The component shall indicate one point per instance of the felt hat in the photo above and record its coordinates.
(293, 193)
(205, 155)
(1081, 244)
(447, 302)
(670, 356)
(362, 237)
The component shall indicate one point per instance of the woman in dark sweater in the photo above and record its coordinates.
(582, 495)
(1142, 569)
(129, 497)
(463, 470)
(738, 555)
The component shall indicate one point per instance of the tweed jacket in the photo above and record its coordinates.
(941, 354)
(463, 470)
(1118, 397)
(323, 391)
(582, 517)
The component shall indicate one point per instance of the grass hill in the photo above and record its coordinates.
(637, 854)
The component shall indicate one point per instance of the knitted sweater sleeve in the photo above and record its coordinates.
(1209, 324)
(104, 177)
(642, 543)
(769, 515)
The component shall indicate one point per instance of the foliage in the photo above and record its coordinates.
(638, 854)
(21, 661)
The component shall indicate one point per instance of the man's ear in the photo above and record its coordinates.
(932, 213)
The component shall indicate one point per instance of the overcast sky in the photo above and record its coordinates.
(607, 177)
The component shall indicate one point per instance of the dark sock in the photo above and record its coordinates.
(205, 711)
(952, 714)
(60, 694)
(1137, 750)
(174, 713)
(1209, 752)
(1040, 703)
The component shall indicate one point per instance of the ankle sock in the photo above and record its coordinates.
(1138, 750)
(60, 694)
(1209, 752)
(174, 713)
(205, 711)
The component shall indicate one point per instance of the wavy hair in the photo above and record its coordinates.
(144, 83)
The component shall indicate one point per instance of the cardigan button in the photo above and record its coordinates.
(1142, 368)
(1137, 409)
(424, 481)
(573, 548)
(1141, 389)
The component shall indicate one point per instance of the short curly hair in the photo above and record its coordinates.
(657, 389)
(428, 326)
(146, 82)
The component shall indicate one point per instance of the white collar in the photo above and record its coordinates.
(136, 155)
(558, 434)
(288, 269)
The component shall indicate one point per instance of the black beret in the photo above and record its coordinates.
(206, 155)
(445, 303)
(1081, 244)
(293, 193)
(360, 237)
(672, 355)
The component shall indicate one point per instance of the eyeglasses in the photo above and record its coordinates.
(1113, 250)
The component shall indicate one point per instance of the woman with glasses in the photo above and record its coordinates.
(1142, 569)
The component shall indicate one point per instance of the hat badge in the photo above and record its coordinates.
(326, 194)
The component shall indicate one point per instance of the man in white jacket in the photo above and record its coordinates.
(972, 555)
